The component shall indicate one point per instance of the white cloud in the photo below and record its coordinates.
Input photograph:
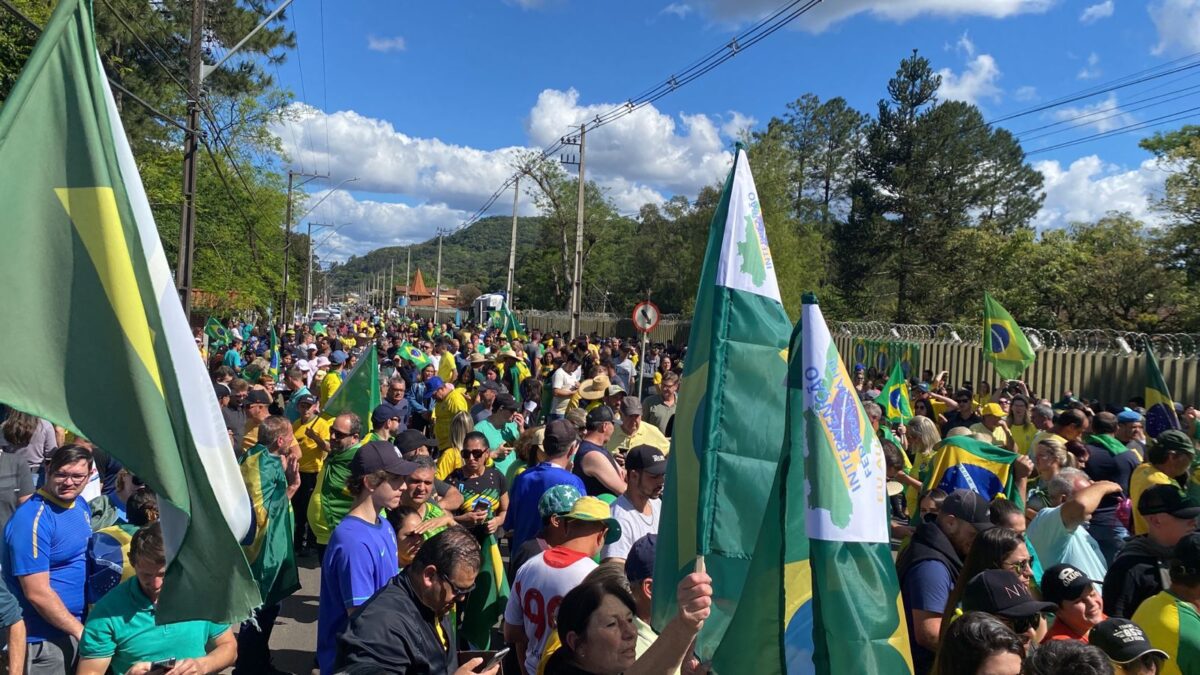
(1178, 24)
(975, 83)
(736, 124)
(679, 9)
(1096, 12)
(830, 12)
(365, 225)
(1026, 93)
(1103, 115)
(1089, 188)
(965, 45)
(1092, 70)
(385, 44)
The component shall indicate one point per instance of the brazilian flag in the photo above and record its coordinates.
(963, 463)
(1160, 409)
(895, 399)
(268, 547)
(1004, 345)
(273, 371)
(415, 356)
(218, 335)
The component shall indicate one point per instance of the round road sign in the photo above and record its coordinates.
(645, 316)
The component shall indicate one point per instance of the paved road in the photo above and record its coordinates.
(294, 642)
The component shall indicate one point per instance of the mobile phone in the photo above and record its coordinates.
(161, 667)
(483, 504)
(495, 660)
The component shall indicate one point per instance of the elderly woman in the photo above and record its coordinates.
(1050, 457)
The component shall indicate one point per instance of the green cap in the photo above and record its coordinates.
(558, 501)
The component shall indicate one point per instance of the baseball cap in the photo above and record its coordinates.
(560, 435)
(505, 402)
(969, 506)
(558, 500)
(1003, 593)
(489, 385)
(631, 406)
(992, 409)
(1185, 559)
(220, 390)
(322, 361)
(338, 356)
(382, 413)
(639, 563)
(1175, 440)
(1168, 499)
(613, 390)
(1065, 583)
(306, 399)
(592, 510)
(434, 383)
(380, 456)
(578, 417)
(1121, 640)
(411, 439)
(600, 413)
(646, 458)
(257, 396)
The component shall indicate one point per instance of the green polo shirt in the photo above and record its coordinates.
(121, 626)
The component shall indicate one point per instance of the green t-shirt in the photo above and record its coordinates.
(121, 626)
(498, 437)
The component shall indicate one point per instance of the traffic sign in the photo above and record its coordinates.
(645, 316)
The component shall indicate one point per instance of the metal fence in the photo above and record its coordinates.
(1103, 364)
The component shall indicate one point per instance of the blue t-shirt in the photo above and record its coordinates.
(527, 489)
(292, 410)
(361, 559)
(926, 587)
(1056, 544)
(44, 535)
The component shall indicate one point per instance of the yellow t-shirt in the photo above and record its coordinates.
(450, 461)
(1172, 625)
(1142, 478)
(647, 434)
(444, 412)
(1023, 437)
(311, 456)
(999, 435)
(329, 385)
(1039, 437)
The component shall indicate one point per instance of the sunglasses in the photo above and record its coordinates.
(1019, 566)
(335, 434)
(475, 453)
(459, 593)
(1023, 624)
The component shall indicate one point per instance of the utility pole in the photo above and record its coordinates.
(191, 147)
(576, 288)
(308, 285)
(512, 248)
(287, 231)
(407, 277)
(391, 294)
(437, 287)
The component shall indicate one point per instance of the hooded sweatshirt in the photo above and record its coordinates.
(1138, 572)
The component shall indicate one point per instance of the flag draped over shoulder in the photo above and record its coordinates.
(961, 462)
(1004, 345)
(218, 336)
(485, 605)
(1160, 409)
(729, 419)
(269, 545)
(359, 393)
(895, 400)
(80, 257)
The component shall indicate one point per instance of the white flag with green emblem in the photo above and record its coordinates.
(95, 339)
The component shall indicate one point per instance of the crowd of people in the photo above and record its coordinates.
(500, 507)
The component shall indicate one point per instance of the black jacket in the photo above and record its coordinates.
(929, 543)
(1138, 572)
(394, 632)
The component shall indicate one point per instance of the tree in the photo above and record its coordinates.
(823, 138)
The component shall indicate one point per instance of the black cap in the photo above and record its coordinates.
(639, 563)
(257, 396)
(1185, 559)
(505, 402)
(970, 506)
(380, 456)
(382, 413)
(411, 439)
(559, 437)
(1003, 593)
(1122, 640)
(600, 413)
(1065, 583)
(306, 399)
(1168, 499)
(220, 390)
(646, 458)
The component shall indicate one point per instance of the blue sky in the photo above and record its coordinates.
(426, 103)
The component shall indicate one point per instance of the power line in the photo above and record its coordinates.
(1116, 111)
(1136, 126)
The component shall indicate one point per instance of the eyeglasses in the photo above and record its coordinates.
(70, 477)
(459, 593)
(1021, 565)
(336, 435)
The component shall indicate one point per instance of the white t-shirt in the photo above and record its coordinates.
(538, 590)
(634, 526)
(562, 380)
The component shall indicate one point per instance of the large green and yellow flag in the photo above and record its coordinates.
(218, 335)
(359, 393)
(895, 399)
(269, 548)
(80, 258)
(724, 454)
(1160, 409)
(1004, 345)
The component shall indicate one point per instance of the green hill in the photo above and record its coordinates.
(477, 255)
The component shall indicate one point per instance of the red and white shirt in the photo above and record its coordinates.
(537, 592)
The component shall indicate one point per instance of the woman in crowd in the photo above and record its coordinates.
(994, 549)
(28, 437)
(1051, 456)
(451, 459)
(979, 644)
(1020, 424)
